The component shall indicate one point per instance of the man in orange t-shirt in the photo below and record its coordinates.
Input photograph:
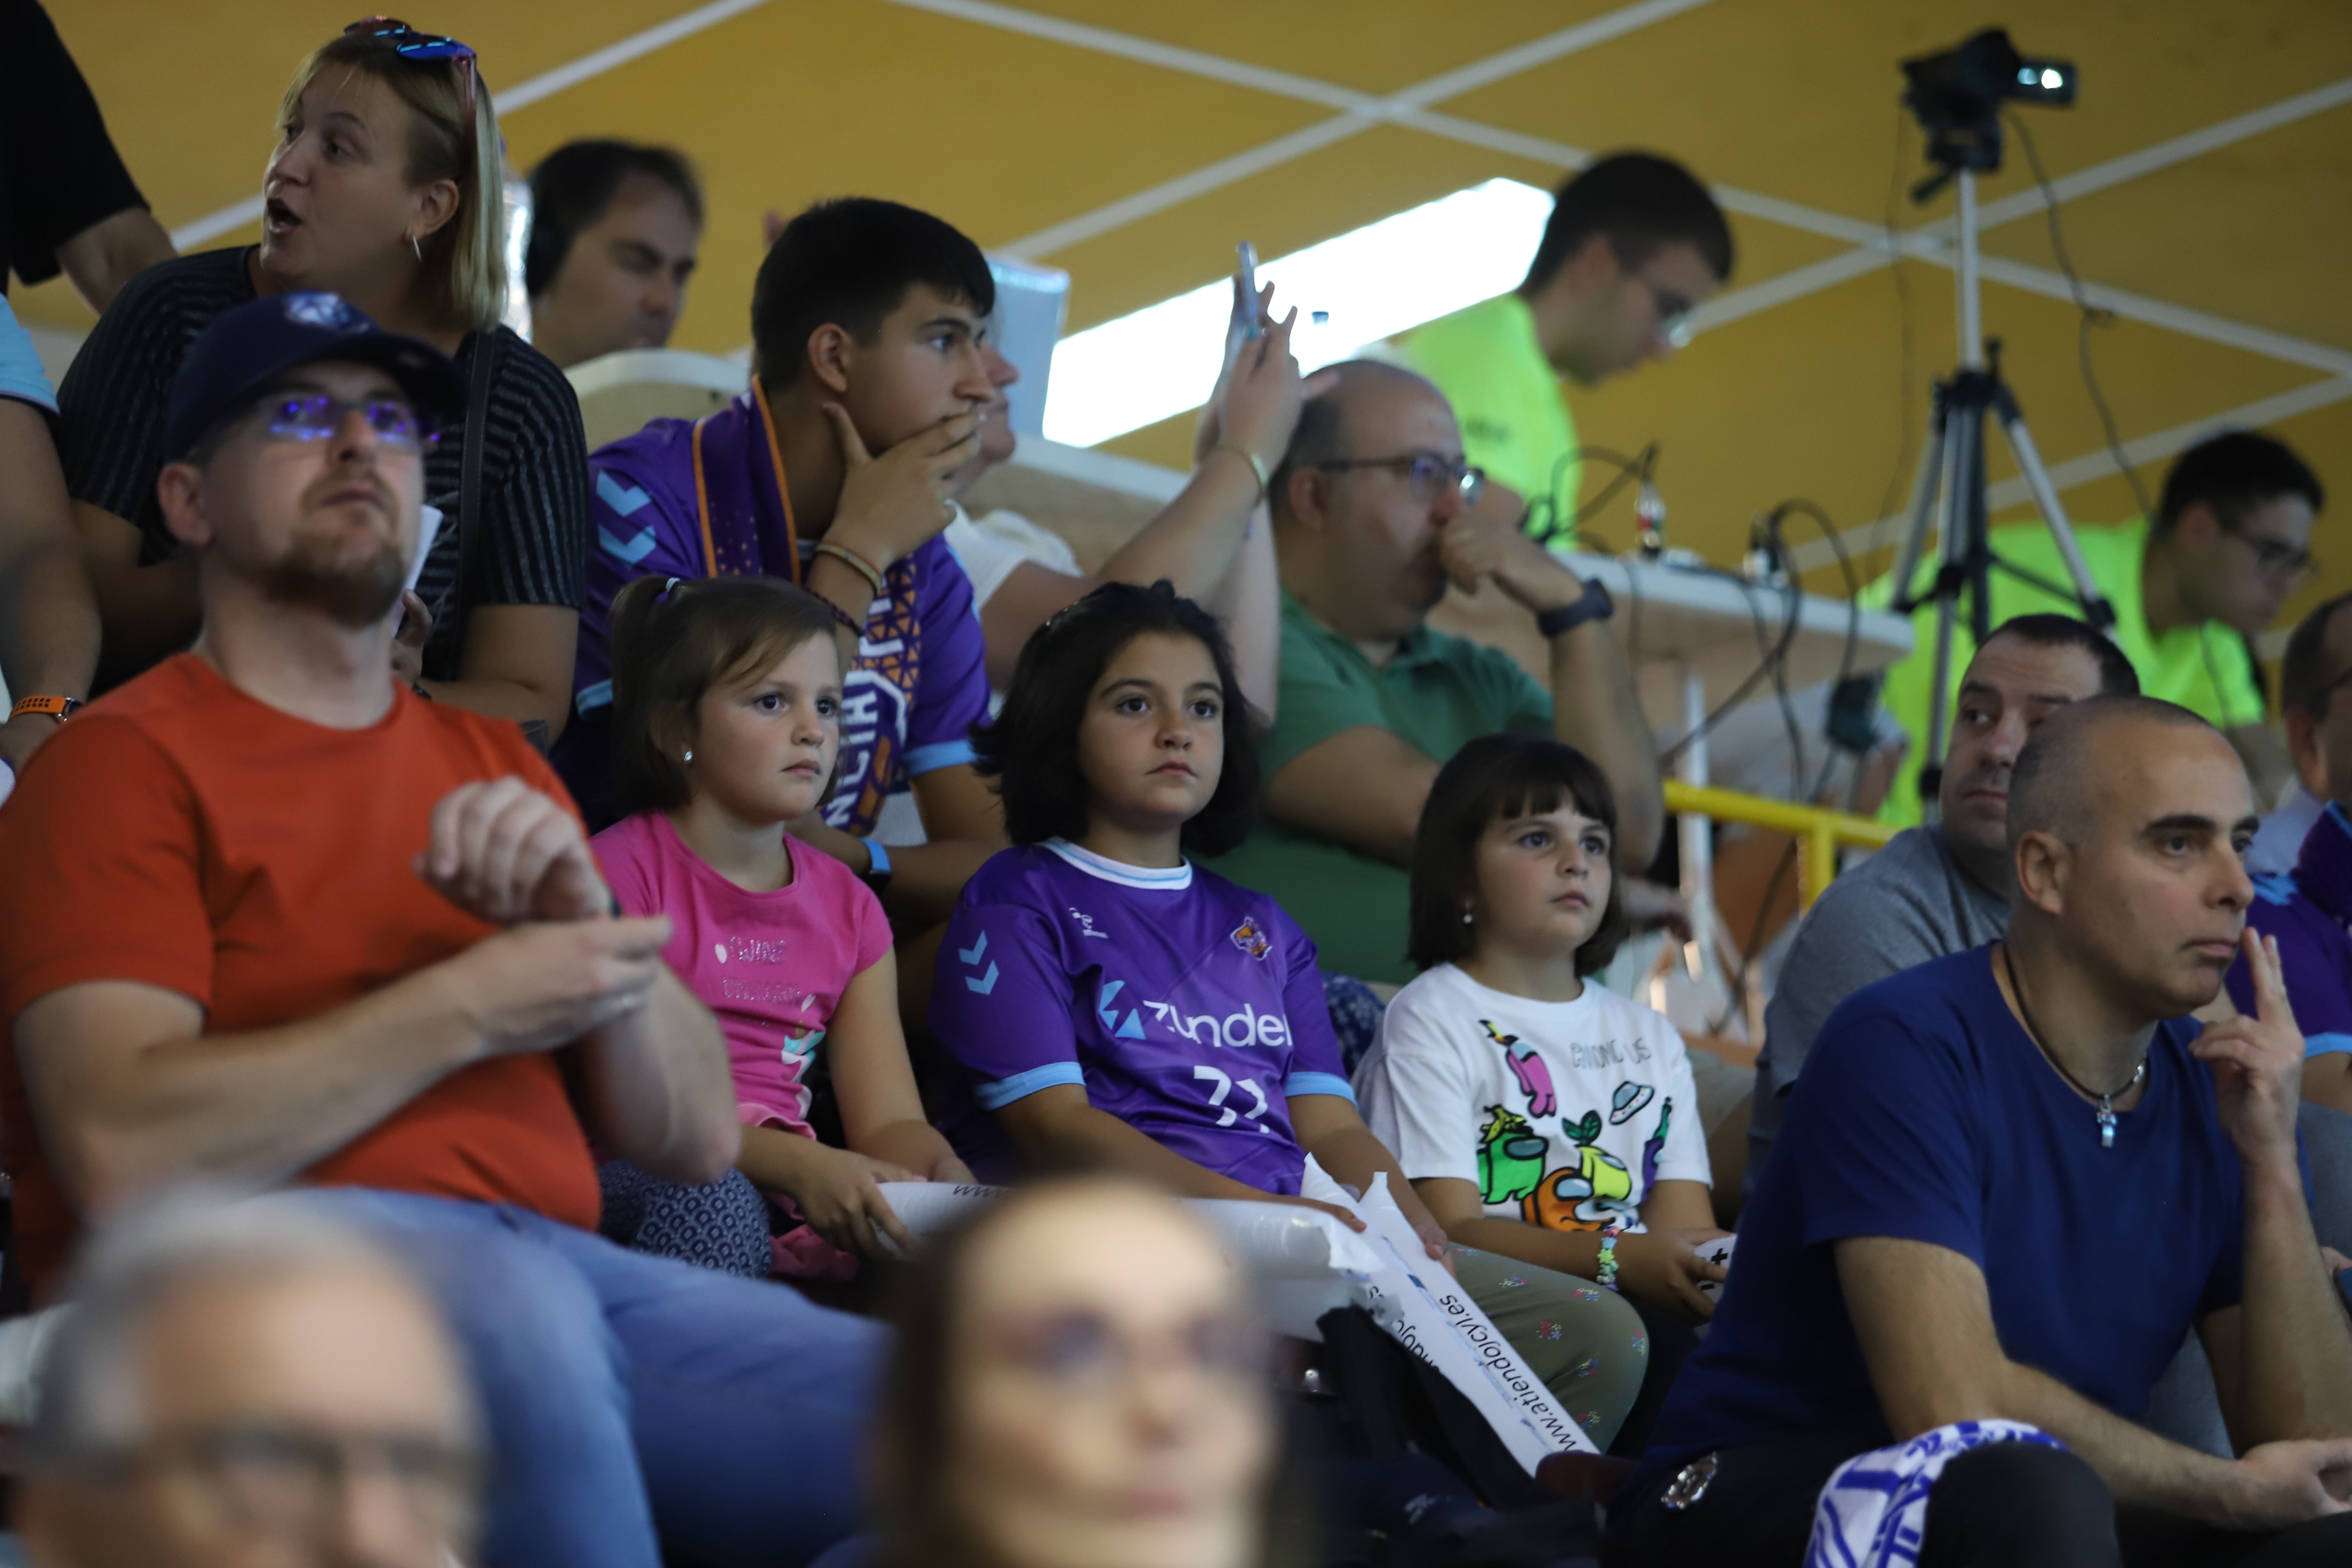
(273, 918)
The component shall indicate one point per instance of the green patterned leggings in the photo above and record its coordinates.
(1586, 1343)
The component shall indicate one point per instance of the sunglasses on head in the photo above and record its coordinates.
(421, 47)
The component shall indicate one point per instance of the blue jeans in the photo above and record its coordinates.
(627, 1396)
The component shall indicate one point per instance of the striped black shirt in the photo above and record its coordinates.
(534, 549)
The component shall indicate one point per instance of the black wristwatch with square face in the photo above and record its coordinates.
(1596, 606)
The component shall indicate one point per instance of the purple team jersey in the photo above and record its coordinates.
(1188, 1007)
(2306, 912)
(921, 678)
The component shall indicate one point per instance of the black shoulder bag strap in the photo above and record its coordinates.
(470, 480)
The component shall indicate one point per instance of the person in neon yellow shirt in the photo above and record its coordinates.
(1634, 245)
(2230, 539)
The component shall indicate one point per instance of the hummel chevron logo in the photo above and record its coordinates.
(984, 983)
(630, 551)
(623, 499)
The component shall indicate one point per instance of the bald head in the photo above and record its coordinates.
(1324, 427)
(2057, 787)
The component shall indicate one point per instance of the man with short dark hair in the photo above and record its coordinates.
(2027, 1175)
(275, 918)
(1633, 245)
(614, 231)
(2230, 541)
(1375, 510)
(870, 377)
(1939, 889)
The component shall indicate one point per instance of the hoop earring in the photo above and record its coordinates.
(415, 248)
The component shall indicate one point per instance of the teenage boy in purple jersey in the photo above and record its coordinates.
(1105, 1002)
(871, 375)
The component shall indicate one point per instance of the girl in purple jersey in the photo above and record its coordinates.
(727, 724)
(1109, 1003)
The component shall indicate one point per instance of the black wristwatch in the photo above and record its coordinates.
(1596, 606)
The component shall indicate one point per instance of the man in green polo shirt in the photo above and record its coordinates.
(1374, 512)
(1635, 244)
(2230, 539)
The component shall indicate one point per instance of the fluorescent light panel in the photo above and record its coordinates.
(1375, 281)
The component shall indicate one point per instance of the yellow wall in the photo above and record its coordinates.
(956, 107)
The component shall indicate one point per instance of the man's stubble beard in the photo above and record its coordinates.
(354, 594)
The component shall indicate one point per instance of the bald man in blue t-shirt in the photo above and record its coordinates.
(2010, 1182)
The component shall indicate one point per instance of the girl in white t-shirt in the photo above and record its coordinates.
(1539, 1115)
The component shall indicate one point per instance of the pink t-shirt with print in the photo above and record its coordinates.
(772, 965)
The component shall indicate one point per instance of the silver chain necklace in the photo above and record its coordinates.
(2106, 1098)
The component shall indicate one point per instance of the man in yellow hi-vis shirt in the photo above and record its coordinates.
(1634, 245)
(2230, 542)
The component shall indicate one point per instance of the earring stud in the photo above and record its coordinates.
(690, 754)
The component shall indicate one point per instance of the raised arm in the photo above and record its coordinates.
(2283, 1358)
(1924, 1319)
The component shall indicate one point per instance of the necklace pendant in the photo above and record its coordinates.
(2107, 1121)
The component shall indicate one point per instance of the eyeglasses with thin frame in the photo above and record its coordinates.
(421, 47)
(319, 417)
(1426, 475)
(2273, 557)
(1672, 327)
(284, 1481)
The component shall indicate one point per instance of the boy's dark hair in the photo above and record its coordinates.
(1032, 748)
(1497, 776)
(2231, 472)
(2116, 676)
(2304, 678)
(573, 186)
(850, 262)
(674, 638)
(1638, 202)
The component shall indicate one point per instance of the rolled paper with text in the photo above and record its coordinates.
(1417, 1300)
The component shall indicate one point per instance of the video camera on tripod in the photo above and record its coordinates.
(1957, 97)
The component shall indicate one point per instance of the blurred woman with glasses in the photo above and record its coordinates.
(384, 187)
(1081, 1381)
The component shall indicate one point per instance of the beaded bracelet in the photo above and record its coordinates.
(857, 627)
(854, 562)
(1606, 1275)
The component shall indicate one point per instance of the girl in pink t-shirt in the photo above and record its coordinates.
(726, 723)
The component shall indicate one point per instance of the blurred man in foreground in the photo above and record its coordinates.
(247, 1386)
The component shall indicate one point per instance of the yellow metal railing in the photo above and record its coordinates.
(1819, 831)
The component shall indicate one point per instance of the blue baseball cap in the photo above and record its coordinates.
(244, 350)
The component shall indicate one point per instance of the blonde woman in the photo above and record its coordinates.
(384, 187)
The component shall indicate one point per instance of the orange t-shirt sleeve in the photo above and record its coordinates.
(98, 849)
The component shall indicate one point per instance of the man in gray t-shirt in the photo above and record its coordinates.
(1936, 890)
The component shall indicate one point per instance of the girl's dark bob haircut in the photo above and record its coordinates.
(674, 638)
(1495, 777)
(1032, 749)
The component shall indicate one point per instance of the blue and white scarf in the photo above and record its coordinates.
(1873, 1512)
